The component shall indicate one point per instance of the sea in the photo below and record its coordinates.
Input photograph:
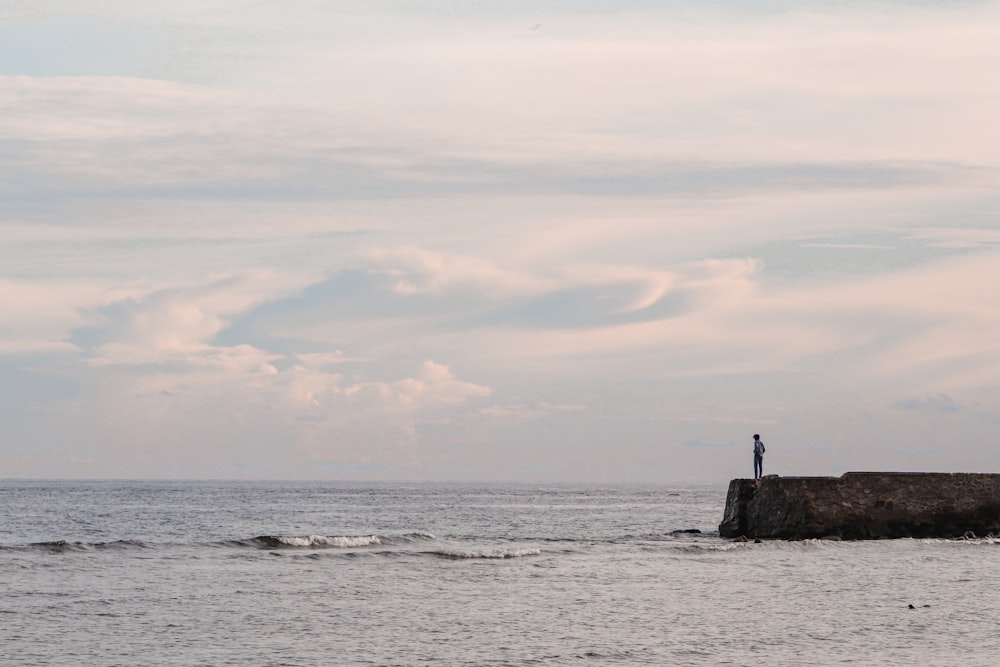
(399, 574)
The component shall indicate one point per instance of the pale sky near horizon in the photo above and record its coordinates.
(546, 240)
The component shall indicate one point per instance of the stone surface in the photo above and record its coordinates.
(863, 505)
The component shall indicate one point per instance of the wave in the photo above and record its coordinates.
(703, 548)
(354, 543)
(489, 554)
(62, 546)
(685, 543)
(409, 538)
(259, 542)
(313, 541)
(330, 541)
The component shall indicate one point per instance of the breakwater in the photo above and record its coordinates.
(863, 505)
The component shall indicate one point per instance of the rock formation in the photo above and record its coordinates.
(864, 505)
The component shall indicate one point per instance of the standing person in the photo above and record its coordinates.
(758, 457)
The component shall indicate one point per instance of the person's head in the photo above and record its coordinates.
(756, 436)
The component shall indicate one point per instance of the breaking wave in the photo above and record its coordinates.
(259, 542)
(314, 541)
(414, 541)
(332, 541)
(491, 554)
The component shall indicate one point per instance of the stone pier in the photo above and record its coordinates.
(864, 505)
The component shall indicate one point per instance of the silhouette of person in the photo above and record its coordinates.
(758, 457)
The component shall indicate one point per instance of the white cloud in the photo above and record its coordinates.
(40, 316)
(178, 323)
(434, 385)
(419, 271)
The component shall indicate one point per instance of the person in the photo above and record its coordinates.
(758, 456)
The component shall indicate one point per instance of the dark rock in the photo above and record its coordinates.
(864, 505)
(734, 521)
(686, 531)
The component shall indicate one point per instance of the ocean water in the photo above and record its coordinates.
(311, 573)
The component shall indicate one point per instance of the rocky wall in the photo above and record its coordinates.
(863, 505)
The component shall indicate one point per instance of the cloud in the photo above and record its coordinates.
(182, 141)
(195, 418)
(437, 293)
(177, 323)
(414, 270)
(928, 323)
(183, 396)
(435, 385)
(40, 316)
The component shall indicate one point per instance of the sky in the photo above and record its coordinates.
(555, 240)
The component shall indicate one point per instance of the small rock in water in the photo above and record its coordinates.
(911, 606)
(689, 531)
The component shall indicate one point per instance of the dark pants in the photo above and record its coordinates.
(758, 466)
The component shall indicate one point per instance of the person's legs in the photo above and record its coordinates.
(758, 466)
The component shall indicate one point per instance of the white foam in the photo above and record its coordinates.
(488, 553)
(336, 541)
(356, 541)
